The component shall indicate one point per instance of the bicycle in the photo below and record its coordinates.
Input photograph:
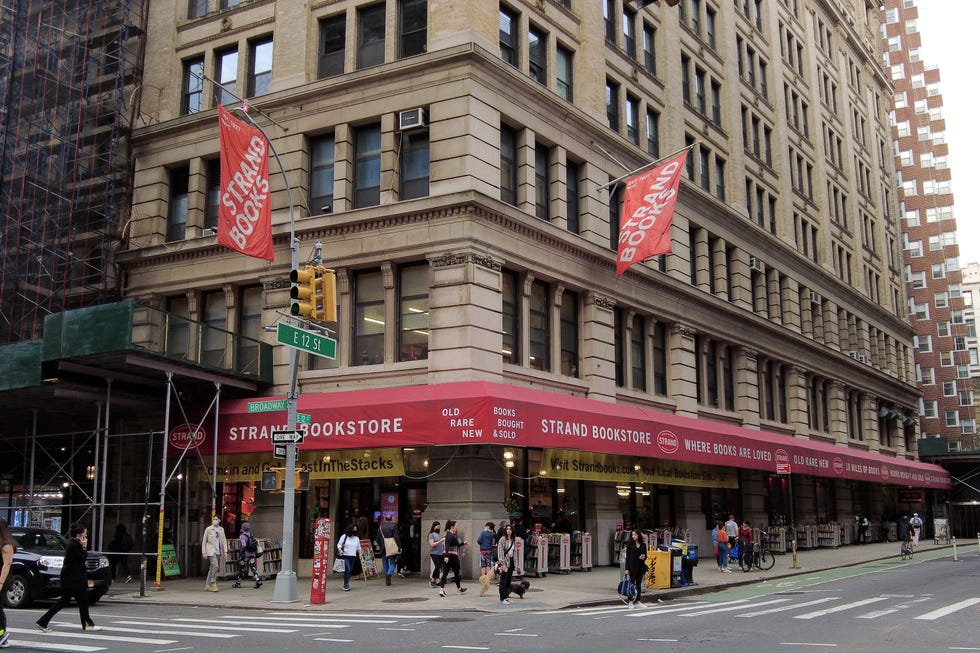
(759, 557)
(907, 549)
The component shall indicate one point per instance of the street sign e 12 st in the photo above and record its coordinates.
(314, 343)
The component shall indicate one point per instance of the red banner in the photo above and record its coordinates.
(492, 413)
(648, 208)
(244, 212)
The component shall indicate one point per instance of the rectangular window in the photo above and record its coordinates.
(370, 36)
(333, 42)
(178, 327)
(415, 165)
(629, 33)
(369, 319)
(649, 54)
(193, 86)
(540, 327)
(212, 197)
(633, 118)
(638, 361)
(214, 340)
(367, 166)
(563, 63)
(227, 77)
(508, 165)
(542, 191)
(660, 359)
(260, 71)
(609, 20)
(571, 197)
(537, 56)
(412, 27)
(249, 330)
(569, 334)
(653, 133)
(510, 326)
(413, 315)
(197, 8)
(615, 211)
(612, 104)
(508, 36)
(321, 174)
(177, 207)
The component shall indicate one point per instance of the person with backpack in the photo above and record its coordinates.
(916, 525)
(248, 552)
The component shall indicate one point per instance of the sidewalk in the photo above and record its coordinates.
(552, 592)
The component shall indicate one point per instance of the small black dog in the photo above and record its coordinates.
(519, 588)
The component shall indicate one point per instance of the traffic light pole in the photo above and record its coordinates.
(285, 590)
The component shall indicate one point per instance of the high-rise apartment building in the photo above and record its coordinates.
(457, 162)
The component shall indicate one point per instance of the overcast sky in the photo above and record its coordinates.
(949, 31)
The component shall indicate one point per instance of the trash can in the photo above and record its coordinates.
(659, 562)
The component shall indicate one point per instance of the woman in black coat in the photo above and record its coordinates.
(74, 581)
(636, 567)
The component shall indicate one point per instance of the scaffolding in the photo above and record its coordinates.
(70, 72)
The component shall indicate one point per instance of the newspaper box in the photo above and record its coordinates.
(659, 561)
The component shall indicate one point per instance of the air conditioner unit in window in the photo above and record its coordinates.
(854, 355)
(756, 264)
(815, 297)
(411, 119)
(864, 359)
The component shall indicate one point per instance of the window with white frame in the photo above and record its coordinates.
(928, 408)
(923, 343)
(940, 300)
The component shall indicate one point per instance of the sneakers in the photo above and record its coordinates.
(727, 570)
(462, 590)
(506, 601)
(345, 589)
(91, 628)
(630, 605)
(258, 584)
(5, 640)
(43, 629)
(129, 579)
(236, 584)
(442, 591)
(639, 605)
(401, 574)
(433, 585)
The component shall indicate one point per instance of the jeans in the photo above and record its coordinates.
(348, 568)
(389, 563)
(213, 570)
(723, 555)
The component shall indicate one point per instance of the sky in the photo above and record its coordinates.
(949, 30)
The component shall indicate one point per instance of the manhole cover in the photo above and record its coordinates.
(407, 599)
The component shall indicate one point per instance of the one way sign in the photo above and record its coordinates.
(287, 437)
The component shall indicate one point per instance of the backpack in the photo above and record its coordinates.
(253, 544)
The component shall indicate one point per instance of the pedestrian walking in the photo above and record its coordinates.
(505, 561)
(347, 548)
(390, 545)
(121, 545)
(916, 525)
(450, 558)
(214, 547)
(486, 543)
(636, 566)
(248, 553)
(74, 583)
(722, 536)
(7, 548)
(437, 550)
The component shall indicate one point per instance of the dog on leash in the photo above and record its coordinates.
(519, 588)
(488, 579)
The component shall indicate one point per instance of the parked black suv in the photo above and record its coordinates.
(36, 570)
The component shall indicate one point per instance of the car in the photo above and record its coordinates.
(36, 570)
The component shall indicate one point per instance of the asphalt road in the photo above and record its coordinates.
(928, 604)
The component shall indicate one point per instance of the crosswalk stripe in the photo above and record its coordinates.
(144, 631)
(659, 611)
(330, 639)
(784, 608)
(949, 609)
(210, 626)
(840, 608)
(84, 635)
(53, 646)
(877, 613)
(731, 608)
(291, 621)
(344, 615)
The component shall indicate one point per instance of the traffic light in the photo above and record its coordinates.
(328, 295)
(303, 292)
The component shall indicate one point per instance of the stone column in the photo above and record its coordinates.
(598, 346)
(683, 369)
(747, 386)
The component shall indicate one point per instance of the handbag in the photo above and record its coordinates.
(391, 547)
(627, 588)
(259, 549)
(339, 566)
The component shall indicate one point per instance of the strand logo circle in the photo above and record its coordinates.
(667, 442)
(187, 436)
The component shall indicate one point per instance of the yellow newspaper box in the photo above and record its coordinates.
(659, 562)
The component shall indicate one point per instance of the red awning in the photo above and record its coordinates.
(492, 413)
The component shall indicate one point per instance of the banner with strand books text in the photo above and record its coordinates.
(244, 210)
(648, 208)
